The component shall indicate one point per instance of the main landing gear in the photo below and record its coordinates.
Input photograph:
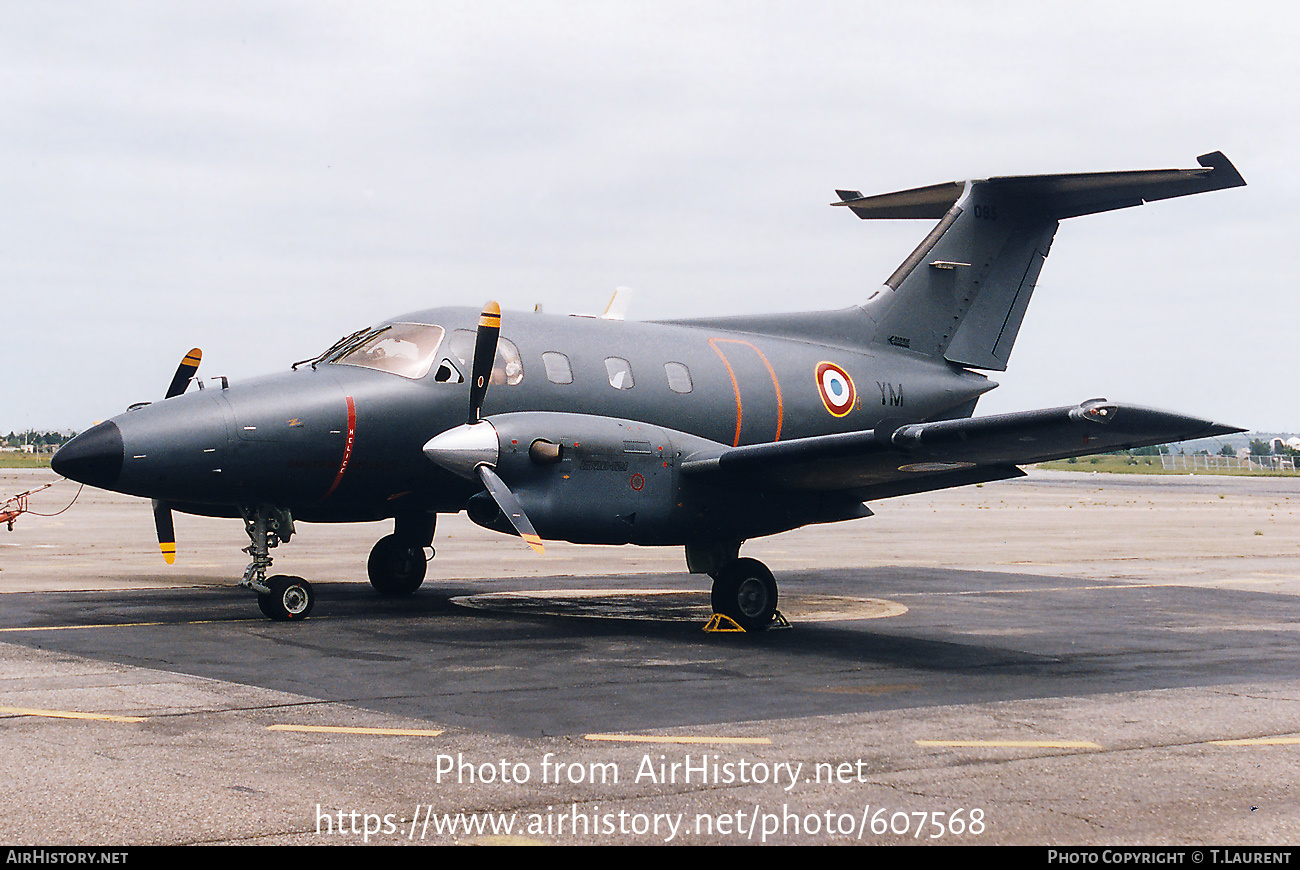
(397, 562)
(743, 589)
(396, 567)
(280, 597)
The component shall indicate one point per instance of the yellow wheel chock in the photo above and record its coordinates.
(723, 624)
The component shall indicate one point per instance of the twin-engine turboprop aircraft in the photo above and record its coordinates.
(691, 433)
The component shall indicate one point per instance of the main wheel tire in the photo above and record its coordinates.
(290, 600)
(396, 567)
(746, 591)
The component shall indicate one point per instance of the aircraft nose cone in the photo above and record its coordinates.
(93, 457)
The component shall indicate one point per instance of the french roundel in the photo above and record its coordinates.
(836, 388)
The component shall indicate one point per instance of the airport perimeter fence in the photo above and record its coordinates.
(1191, 462)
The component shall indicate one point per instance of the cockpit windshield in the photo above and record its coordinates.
(405, 349)
(410, 350)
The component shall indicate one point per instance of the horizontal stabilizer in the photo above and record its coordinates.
(1059, 196)
(897, 459)
(921, 202)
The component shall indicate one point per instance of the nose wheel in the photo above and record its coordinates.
(290, 598)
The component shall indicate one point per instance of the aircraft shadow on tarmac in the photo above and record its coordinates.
(528, 672)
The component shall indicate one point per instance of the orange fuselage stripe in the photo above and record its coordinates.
(735, 385)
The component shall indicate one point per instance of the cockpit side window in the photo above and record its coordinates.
(457, 358)
(406, 349)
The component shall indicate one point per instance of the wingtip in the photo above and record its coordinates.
(1222, 169)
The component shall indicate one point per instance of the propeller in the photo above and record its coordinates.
(162, 521)
(472, 450)
(510, 506)
(485, 353)
(184, 373)
(162, 510)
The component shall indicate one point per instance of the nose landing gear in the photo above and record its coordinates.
(396, 566)
(281, 597)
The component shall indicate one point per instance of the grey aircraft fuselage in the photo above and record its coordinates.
(343, 443)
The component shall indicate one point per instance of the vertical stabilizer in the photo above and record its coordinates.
(962, 294)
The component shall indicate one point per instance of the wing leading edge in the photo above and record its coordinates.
(898, 459)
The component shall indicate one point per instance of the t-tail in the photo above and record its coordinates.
(962, 294)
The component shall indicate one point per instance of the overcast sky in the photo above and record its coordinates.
(259, 178)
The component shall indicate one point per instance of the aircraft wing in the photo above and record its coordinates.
(901, 458)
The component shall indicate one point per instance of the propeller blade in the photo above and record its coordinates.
(162, 511)
(162, 520)
(511, 507)
(184, 373)
(485, 353)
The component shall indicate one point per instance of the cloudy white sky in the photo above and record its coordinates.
(258, 178)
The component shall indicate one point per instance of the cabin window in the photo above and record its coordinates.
(557, 366)
(679, 377)
(405, 349)
(457, 359)
(620, 373)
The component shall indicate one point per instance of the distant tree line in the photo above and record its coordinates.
(1258, 447)
(41, 441)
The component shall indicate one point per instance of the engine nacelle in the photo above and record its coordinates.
(590, 479)
(602, 480)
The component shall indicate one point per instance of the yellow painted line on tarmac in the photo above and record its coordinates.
(1259, 741)
(340, 729)
(1017, 744)
(124, 624)
(68, 714)
(870, 690)
(668, 738)
(1109, 586)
